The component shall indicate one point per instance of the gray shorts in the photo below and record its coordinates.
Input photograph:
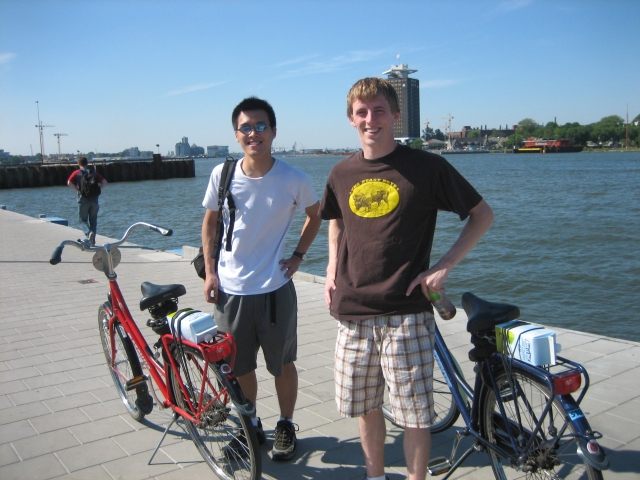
(248, 318)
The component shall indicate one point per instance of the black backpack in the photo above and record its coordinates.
(223, 193)
(88, 183)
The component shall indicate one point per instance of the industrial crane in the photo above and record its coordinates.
(448, 130)
(426, 130)
(60, 135)
(40, 126)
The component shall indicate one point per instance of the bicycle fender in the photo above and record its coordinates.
(240, 401)
(108, 308)
(588, 449)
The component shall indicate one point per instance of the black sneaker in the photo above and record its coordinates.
(237, 447)
(260, 433)
(284, 446)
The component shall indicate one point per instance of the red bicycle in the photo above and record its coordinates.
(195, 378)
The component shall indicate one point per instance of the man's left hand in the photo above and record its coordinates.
(432, 279)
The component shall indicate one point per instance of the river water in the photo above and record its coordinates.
(564, 245)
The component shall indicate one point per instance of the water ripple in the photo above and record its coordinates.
(564, 245)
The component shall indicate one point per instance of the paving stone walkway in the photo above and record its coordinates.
(60, 416)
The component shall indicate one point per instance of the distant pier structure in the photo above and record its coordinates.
(45, 175)
(407, 128)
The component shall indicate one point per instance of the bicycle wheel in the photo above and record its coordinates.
(556, 460)
(227, 441)
(446, 410)
(125, 367)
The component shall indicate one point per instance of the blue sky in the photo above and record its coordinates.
(115, 74)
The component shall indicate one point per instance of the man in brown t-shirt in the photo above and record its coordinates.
(382, 204)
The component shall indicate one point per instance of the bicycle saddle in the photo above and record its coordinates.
(154, 294)
(484, 315)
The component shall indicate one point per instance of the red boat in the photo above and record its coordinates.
(543, 145)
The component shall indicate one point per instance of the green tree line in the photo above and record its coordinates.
(609, 129)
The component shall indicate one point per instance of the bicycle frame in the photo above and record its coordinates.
(470, 416)
(160, 373)
(118, 311)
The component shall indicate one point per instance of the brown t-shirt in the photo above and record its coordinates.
(389, 208)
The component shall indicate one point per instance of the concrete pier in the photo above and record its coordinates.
(43, 175)
(60, 416)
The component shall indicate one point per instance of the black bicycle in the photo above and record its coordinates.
(522, 416)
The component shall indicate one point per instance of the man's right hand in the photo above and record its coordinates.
(329, 288)
(211, 285)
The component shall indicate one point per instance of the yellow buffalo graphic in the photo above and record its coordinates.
(374, 198)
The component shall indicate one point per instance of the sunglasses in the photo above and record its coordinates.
(258, 127)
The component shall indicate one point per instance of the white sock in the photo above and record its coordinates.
(290, 420)
(383, 477)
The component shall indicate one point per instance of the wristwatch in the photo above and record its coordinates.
(302, 256)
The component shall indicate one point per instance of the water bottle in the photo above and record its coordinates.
(442, 304)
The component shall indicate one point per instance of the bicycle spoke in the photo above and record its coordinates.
(533, 426)
(227, 442)
(125, 365)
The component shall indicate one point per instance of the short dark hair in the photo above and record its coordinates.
(253, 103)
(82, 161)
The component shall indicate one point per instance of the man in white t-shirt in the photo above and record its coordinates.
(251, 283)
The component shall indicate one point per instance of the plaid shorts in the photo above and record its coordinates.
(396, 349)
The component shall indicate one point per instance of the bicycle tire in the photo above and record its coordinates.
(126, 365)
(551, 461)
(218, 424)
(446, 410)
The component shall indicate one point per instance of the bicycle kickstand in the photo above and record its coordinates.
(166, 430)
(441, 465)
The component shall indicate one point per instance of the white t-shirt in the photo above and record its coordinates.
(265, 208)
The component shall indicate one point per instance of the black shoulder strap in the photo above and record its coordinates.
(223, 192)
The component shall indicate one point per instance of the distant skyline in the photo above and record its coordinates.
(119, 74)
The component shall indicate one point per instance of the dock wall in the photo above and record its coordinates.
(43, 175)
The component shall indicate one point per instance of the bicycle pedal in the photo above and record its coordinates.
(135, 382)
(439, 466)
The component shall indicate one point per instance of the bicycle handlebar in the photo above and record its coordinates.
(56, 257)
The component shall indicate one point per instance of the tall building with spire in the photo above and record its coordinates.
(407, 128)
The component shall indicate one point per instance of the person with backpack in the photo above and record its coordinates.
(250, 282)
(88, 184)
